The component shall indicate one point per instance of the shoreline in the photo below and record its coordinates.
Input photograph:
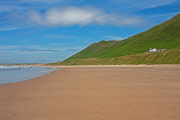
(96, 66)
(89, 66)
(14, 74)
(102, 92)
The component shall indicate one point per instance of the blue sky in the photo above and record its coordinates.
(41, 31)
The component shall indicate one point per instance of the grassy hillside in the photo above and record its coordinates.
(133, 50)
(163, 36)
(166, 57)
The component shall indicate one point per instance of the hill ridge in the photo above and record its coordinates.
(163, 36)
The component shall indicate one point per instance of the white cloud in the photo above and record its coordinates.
(8, 47)
(55, 1)
(11, 8)
(136, 5)
(8, 29)
(43, 1)
(164, 15)
(60, 36)
(34, 49)
(113, 37)
(68, 16)
(157, 3)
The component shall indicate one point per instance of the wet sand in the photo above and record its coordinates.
(95, 93)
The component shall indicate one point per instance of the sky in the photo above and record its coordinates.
(46, 31)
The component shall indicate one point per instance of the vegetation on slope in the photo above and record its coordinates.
(163, 36)
(134, 49)
(166, 57)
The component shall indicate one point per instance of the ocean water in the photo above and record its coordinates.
(12, 74)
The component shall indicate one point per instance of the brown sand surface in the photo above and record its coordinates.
(95, 93)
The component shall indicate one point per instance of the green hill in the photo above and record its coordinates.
(166, 57)
(163, 36)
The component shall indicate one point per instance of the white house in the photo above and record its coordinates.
(153, 50)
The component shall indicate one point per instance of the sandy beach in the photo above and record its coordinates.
(95, 93)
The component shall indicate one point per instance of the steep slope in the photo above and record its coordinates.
(163, 36)
(134, 49)
(166, 57)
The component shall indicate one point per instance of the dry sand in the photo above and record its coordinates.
(95, 93)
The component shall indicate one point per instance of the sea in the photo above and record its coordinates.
(13, 74)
